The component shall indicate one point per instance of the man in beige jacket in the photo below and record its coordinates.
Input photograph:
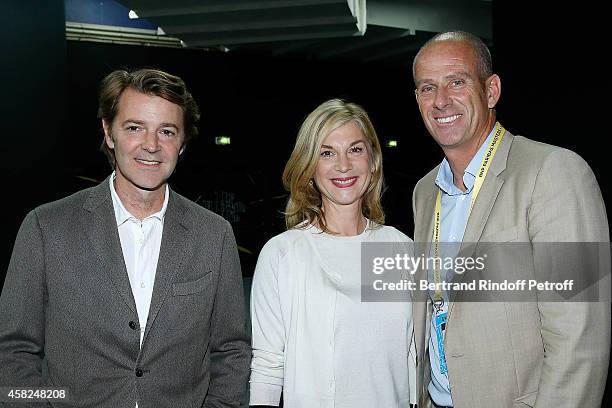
(496, 187)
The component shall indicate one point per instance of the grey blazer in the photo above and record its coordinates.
(67, 296)
(522, 354)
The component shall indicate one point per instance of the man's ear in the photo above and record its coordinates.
(108, 138)
(493, 90)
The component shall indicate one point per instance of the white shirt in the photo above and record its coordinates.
(140, 244)
(313, 338)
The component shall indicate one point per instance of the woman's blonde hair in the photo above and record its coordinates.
(305, 199)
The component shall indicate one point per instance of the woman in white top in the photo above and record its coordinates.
(314, 340)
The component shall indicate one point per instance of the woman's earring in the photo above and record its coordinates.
(310, 183)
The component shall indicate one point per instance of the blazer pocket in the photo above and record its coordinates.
(506, 235)
(190, 288)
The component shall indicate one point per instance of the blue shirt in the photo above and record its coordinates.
(454, 216)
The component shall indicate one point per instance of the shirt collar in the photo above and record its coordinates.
(122, 214)
(445, 180)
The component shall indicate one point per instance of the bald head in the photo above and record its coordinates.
(484, 65)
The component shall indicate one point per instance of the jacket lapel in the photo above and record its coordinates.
(483, 205)
(488, 193)
(421, 305)
(175, 237)
(425, 234)
(101, 228)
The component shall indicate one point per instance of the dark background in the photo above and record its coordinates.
(552, 91)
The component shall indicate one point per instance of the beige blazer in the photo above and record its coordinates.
(518, 354)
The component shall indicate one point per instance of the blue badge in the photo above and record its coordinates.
(440, 328)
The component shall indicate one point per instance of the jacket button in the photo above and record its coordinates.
(139, 372)
(133, 325)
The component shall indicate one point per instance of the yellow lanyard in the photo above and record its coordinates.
(499, 132)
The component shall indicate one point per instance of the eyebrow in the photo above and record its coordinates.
(456, 74)
(352, 144)
(140, 122)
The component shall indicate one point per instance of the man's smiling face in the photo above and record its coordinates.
(147, 137)
(455, 102)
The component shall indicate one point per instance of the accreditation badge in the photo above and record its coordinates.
(440, 327)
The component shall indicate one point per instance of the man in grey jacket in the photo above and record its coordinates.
(132, 292)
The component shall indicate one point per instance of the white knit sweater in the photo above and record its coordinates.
(313, 338)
